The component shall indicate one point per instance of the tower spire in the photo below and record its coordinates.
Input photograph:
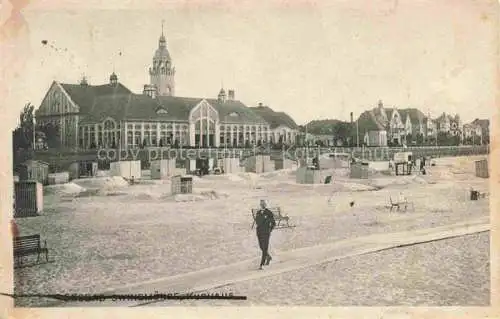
(162, 72)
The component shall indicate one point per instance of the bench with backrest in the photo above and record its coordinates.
(29, 245)
(401, 202)
(279, 217)
(396, 204)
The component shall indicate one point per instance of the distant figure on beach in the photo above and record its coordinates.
(315, 162)
(422, 166)
(265, 222)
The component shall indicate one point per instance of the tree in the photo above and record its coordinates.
(19, 140)
(341, 131)
(51, 132)
(443, 138)
(22, 136)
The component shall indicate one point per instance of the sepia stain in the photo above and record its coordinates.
(15, 23)
(394, 8)
(14, 45)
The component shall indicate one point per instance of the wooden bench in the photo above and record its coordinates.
(278, 217)
(29, 245)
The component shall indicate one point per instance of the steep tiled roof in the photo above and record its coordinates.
(416, 116)
(485, 124)
(245, 113)
(389, 113)
(142, 107)
(97, 102)
(444, 115)
(287, 120)
(367, 122)
(274, 119)
(84, 95)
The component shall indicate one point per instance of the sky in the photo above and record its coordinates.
(313, 60)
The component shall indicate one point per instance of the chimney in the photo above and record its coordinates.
(230, 95)
(150, 90)
(352, 117)
(260, 104)
(113, 79)
(84, 81)
(153, 91)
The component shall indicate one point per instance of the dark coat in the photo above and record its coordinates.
(265, 221)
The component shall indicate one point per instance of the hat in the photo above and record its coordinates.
(263, 202)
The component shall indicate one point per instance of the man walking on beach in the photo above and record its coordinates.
(265, 222)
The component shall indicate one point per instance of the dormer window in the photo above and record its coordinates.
(233, 114)
(161, 111)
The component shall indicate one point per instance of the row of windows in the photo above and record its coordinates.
(138, 126)
(111, 126)
(91, 130)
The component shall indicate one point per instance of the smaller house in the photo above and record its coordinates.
(34, 170)
(449, 124)
(370, 131)
(472, 133)
(484, 124)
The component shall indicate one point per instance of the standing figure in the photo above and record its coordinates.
(265, 222)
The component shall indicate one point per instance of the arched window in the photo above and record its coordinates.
(205, 111)
(109, 124)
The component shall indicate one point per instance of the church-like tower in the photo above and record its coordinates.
(162, 73)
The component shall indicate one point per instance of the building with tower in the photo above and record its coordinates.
(110, 115)
(162, 72)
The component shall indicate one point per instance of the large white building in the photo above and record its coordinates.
(110, 115)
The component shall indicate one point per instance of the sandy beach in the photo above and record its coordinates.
(103, 233)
